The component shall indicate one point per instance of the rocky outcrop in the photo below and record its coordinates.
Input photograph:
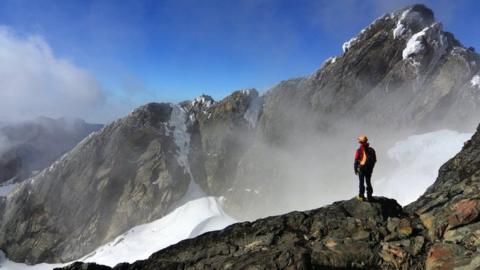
(30, 146)
(439, 231)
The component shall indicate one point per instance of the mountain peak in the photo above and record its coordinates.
(412, 19)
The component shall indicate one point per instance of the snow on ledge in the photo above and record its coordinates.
(414, 44)
(400, 28)
(475, 81)
(347, 45)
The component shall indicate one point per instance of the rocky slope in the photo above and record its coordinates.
(30, 146)
(401, 73)
(441, 230)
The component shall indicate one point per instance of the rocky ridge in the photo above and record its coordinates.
(441, 230)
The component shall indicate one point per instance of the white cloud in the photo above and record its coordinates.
(35, 82)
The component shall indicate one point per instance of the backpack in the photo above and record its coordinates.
(371, 157)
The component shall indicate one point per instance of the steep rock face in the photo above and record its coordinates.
(28, 147)
(401, 62)
(221, 133)
(439, 231)
(127, 174)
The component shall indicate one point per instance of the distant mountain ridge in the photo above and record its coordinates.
(30, 146)
(402, 73)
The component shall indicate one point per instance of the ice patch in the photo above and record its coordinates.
(475, 81)
(418, 159)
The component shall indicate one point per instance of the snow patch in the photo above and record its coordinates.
(400, 28)
(190, 220)
(203, 101)
(347, 45)
(475, 81)
(414, 44)
(246, 92)
(431, 36)
(418, 159)
(407, 18)
(178, 130)
(253, 112)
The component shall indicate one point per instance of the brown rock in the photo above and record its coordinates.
(439, 258)
(463, 212)
(393, 253)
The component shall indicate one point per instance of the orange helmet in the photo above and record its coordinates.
(362, 139)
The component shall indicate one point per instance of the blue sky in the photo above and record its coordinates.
(141, 51)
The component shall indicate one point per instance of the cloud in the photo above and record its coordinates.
(34, 82)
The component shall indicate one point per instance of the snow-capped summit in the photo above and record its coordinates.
(411, 20)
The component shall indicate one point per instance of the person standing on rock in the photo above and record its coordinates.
(365, 159)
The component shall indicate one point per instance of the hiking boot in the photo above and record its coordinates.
(360, 198)
(370, 199)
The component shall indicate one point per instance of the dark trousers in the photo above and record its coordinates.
(365, 177)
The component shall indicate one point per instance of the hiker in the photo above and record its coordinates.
(365, 159)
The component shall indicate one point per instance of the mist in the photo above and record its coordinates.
(302, 158)
(35, 82)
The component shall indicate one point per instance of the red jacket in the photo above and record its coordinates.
(361, 158)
